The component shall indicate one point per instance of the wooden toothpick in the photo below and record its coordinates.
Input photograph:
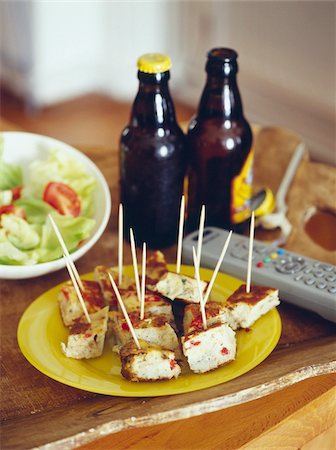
(200, 236)
(123, 309)
(78, 291)
(143, 282)
(120, 244)
(202, 304)
(135, 265)
(215, 272)
(66, 253)
(180, 236)
(249, 261)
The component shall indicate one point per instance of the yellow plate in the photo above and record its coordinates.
(41, 331)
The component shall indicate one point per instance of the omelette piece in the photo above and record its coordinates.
(86, 340)
(70, 306)
(246, 308)
(155, 305)
(209, 349)
(215, 313)
(150, 363)
(156, 268)
(176, 286)
(152, 329)
(101, 276)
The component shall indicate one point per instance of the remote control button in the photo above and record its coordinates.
(332, 289)
(317, 264)
(308, 270)
(298, 277)
(238, 252)
(260, 264)
(241, 254)
(309, 281)
(274, 255)
(327, 267)
(281, 261)
(330, 278)
(299, 259)
(281, 251)
(261, 250)
(319, 274)
(267, 260)
(289, 267)
(321, 285)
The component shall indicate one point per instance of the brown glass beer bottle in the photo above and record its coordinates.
(220, 148)
(152, 158)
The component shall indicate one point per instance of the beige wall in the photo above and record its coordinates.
(286, 59)
(51, 51)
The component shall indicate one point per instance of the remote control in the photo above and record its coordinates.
(302, 281)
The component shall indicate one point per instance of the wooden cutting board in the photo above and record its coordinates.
(37, 410)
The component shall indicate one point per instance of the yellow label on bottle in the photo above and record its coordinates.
(241, 192)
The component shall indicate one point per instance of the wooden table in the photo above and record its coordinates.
(285, 402)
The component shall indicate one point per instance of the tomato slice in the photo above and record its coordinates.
(16, 193)
(12, 209)
(63, 198)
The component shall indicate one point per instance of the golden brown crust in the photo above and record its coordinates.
(92, 294)
(256, 294)
(212, 309)
(156, 321)
(195, 333)
(156, 268)
(79, 328)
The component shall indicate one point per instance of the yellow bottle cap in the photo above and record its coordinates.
(267, 203)
(154, 63)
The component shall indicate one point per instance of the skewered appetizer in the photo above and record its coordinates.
(176, 286)
(154, 305)
(101, 275)
(208, 349)
(241, 309)
(86, 340)
(247, 307)
(215, 313)
(171, 285)
(149, 363)
(71, 309)
(156, 268)
(152, 329)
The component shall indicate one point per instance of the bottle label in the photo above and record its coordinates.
(241, 191)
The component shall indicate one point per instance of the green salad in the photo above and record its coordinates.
(58, 185)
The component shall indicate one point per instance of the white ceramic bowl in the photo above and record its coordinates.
(22, 148)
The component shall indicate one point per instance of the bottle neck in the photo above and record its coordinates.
(153, 106)
(221, 97)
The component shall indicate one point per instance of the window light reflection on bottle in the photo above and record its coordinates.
(230, 143)
(227, 100)
(163, 151)
(159, 108)
(227, 124)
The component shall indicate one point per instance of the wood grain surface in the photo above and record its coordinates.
(36, 410)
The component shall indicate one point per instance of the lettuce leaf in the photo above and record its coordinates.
(11, 255)
(10, 174)
(60, 167)
(73, 230)
(36, 209)
(19, 233)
